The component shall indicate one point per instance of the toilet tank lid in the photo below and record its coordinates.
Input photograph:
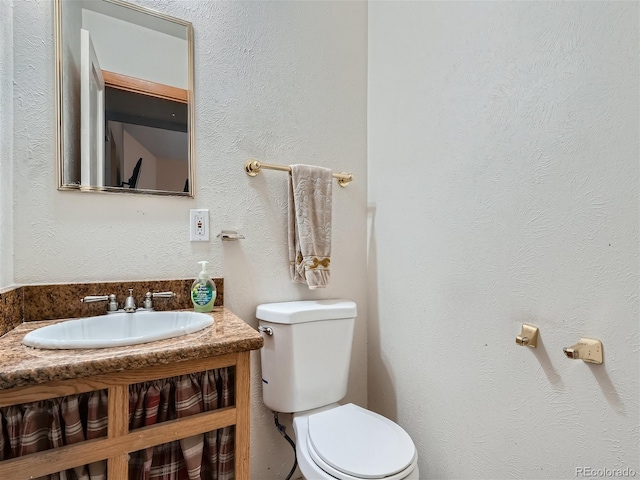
(306, 311)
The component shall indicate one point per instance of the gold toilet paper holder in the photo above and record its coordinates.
(528, 336)
(587, 349)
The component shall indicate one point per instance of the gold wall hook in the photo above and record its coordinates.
(587, 349)
(528, 336)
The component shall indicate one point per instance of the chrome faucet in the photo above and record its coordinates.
(130, 303)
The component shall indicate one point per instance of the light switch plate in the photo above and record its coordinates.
(199, 225)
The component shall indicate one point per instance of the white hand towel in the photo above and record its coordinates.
(310, 224)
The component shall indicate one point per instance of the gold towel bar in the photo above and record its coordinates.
(253, 167)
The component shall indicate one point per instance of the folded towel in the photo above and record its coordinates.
(310, 225)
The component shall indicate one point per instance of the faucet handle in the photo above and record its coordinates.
(148, 302)
(113, 304)
(163, 294)
(94, 298)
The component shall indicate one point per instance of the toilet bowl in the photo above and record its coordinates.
(347, 442)
(305, 368)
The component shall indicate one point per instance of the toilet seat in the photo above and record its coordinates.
(350, 442)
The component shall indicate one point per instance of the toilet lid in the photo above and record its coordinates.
(360, 443)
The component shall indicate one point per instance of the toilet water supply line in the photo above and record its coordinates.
(281, 428)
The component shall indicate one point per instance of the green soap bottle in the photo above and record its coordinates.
(203, 291)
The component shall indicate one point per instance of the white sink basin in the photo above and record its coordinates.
(117, 330)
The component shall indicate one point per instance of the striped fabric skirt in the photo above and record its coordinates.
(38, 426)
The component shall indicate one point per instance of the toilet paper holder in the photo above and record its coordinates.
(587, 349)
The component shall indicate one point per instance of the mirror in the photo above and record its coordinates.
(124, 82)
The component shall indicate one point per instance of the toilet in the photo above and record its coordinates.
(305, 370)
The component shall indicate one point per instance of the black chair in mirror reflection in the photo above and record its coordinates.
(133, 179)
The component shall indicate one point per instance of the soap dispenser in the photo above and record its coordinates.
(203, 291)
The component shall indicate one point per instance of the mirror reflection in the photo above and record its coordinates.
(125, 86)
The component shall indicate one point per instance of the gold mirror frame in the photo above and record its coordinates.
(58, 28)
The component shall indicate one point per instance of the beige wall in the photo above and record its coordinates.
(284, 82)
(503, 163)
(6, 145)
(503, 153)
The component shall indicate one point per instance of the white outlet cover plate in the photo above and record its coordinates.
(199, 224)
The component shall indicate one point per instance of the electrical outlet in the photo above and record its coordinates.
(199, 225)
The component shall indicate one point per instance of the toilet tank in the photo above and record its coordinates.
(305, 362)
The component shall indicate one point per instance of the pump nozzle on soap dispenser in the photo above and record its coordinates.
(203, 290)
(204, 264)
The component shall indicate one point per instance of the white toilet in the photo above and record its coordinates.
(305, 368)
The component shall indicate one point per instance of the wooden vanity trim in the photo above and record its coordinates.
(62, 388)
(118, 465)
(243, 404)
(119, 441)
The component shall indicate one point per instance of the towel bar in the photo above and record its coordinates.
(253, 167)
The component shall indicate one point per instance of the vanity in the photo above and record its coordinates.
(32, 375)
(124, 125)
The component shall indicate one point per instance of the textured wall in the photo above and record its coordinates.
(283, 82)
(503, 179)
(6, 144)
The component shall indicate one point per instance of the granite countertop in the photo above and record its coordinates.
(21, 365)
